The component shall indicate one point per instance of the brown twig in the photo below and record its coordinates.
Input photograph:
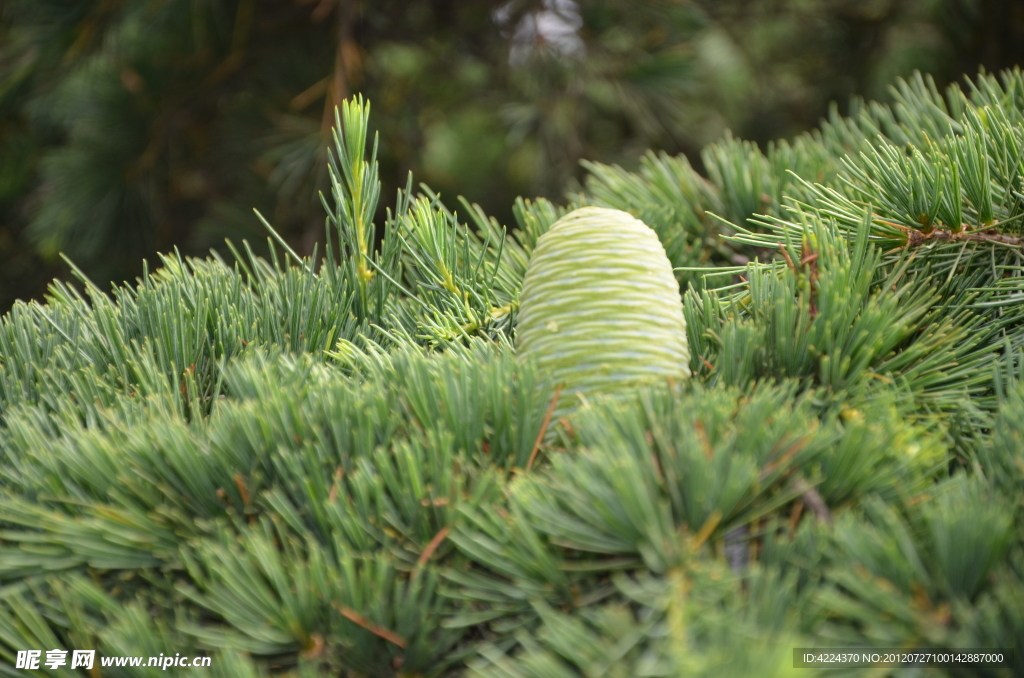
(315, 648)
(309, 95)
(794, 516)
(432, 546)
(785, 255)
(770, 467)
(544, 427)
(346, 55)
(810, 496)
(333, 494)
(810, 260)
(242, 489)
(380, 631)
(916, 238)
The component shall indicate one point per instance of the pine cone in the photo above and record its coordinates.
(600, 309)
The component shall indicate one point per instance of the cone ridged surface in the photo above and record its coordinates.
(600, 308)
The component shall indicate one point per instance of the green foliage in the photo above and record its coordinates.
(339, 466)
(834, 322)
(131, 128)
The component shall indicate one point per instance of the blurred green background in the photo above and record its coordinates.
(130, 127)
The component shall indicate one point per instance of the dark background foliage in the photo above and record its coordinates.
(129, 127)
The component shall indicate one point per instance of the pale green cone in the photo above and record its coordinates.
(600, 308)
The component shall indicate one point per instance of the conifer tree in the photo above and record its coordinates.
(339, 467)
